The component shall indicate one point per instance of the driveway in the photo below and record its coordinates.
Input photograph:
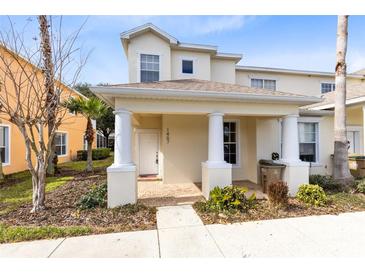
(181, 233)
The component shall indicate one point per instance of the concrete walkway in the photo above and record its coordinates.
(181, 233)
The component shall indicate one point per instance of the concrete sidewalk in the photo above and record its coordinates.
(181, 233)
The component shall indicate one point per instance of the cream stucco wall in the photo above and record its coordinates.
(223, 71)
(298, 84)
(201, 65)
(148, 43)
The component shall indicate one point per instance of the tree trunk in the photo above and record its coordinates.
(89, 138)
(341, 171)
(48, 72)
(39, 186)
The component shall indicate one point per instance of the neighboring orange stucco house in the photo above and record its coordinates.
(69, 137)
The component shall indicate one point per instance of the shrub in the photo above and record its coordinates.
(229, 198)
(96, 197)
(361, 187)
(97, 154)
(278, 193)
(326, 182)
(312, 195)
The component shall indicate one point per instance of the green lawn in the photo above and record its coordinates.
(21, 192)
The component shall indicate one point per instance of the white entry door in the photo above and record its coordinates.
(148, 153)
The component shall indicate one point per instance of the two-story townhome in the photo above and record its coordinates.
(191, 114)
(69, 138)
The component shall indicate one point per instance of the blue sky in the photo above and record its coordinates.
(297, 42)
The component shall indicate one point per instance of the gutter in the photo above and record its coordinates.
(194, 95)
(312, 112)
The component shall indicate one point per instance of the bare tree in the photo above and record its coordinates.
(341, 171)
(24, 94)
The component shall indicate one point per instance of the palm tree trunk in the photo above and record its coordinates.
(89, 138)
(341, 171)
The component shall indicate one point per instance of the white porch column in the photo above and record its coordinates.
(215, 139)
(215, 171)
(290, 139)
(296, 172)
(121, 175)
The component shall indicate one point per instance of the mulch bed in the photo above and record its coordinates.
(263, 211)
(62, 210)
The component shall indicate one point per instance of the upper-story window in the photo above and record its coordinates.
(327, 87)
(150, 68)
(263, 83)
(187, 66)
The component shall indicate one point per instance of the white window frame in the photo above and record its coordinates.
(66, 144)
(331, 83)
(263, 82)
(9, 143)
(316, 120)
(139, 64)
(238, 141)
(360, 130)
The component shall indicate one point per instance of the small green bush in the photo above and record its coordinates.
(312, 195)
(326, 182)
(96, 197)
(97, 154)
(229, 198)
(361, 187)
(278, 193)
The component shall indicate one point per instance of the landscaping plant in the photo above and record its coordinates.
(278, 193)
(312, 195)
(361, 187)
(230, 198)
(326, 182)
(96, 197)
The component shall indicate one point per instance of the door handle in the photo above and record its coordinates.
(156, 158)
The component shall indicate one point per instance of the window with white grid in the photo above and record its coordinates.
(263, 83)
(327, 87)
(150, 68)
(230, 139)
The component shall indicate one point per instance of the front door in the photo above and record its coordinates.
(148, 153)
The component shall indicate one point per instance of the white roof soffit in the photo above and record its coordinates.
(129, 92)
(146, 27)
(294, 71)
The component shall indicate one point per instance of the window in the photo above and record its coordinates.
(327, 87)
(308, 142)
(263, 83)
(353, 137)
(150, 68)
(230, 142)
(60, 141)
(100, 141)
(4, 144)
(187, 66)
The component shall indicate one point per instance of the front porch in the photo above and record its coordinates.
(199, 135)
(156, 193)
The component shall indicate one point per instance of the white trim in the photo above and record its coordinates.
(294, 71)
(360, 99)
(9, 142)
(238, 141)
(185, 58)
(67, 137)
(139, 131)
(197, 46)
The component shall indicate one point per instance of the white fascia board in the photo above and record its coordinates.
(127, 34)
(197, 47)
(232, 56)
(294, 71)
(353, 101)
(201, 95)
(312, 112)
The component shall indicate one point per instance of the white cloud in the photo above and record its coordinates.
(355, 60)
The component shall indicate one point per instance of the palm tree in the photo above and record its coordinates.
(341, 171)
(92, 109)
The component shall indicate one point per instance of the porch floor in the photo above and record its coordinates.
(156, 193)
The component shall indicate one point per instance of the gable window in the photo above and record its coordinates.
(263, 83)
(187, 66)
(230, 142)
(308, 142)
(61, 143)
(327, 87)
(4, 144)
(150, 68)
